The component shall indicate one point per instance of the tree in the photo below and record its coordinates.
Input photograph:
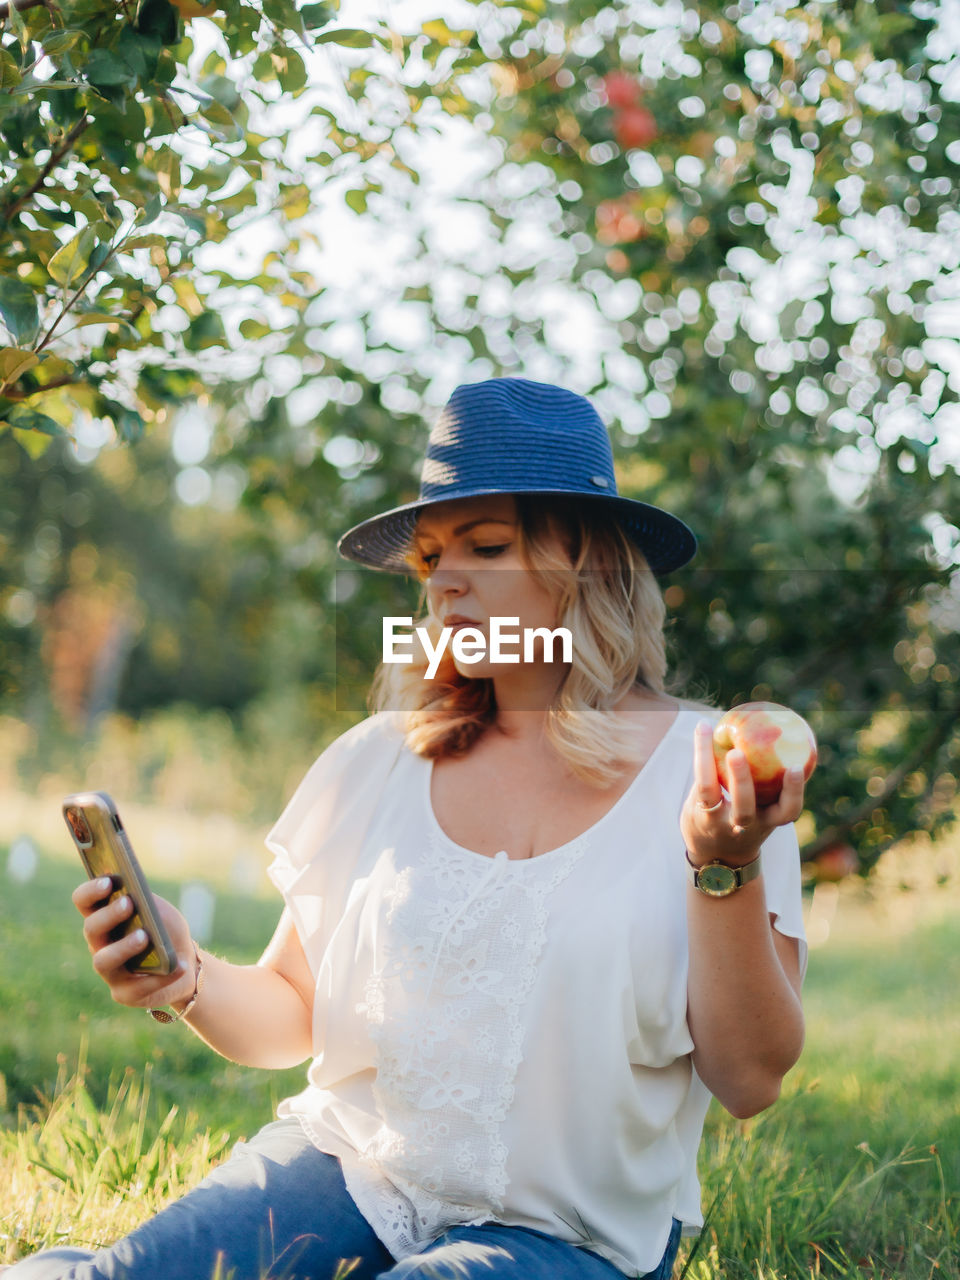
(751, 212)
(144, 145)
(762, 201)
(136, 141)
(767, 250)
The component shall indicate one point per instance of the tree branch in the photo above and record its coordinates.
(11, 394)
(66, 145)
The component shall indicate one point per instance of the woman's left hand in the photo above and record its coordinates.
(731, 828)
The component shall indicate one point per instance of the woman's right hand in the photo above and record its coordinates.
(138, 990)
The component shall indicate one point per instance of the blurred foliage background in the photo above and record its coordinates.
(244, 257)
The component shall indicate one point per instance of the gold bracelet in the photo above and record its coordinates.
(161, 1015)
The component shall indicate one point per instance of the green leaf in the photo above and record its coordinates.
(357, 199)
(64, 109)
(50, 368)
(141, 50)
(439, 31)
(251, 329)
(223, 89)
(295, 201)
(168, 172)
(60, 41)
(9, 71)
(127, 421)
(73, 258)
(14, 362)
(104, 68)
(205, 330)
(218, 115)
(315, 15)
(30, 420)
(350, 37)
(283, 13)
(66, 218)
(291, 72)
(101, 252)
(19, 25)
(263, 66)
(151, 210)
(152, 241)
(159, 18)
(213, 65)
(33, 442)
(29, 85)
(19, 310)
(195, 221)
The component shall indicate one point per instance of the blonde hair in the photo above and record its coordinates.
(608, 597)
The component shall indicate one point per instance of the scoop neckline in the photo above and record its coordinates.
(502, 854)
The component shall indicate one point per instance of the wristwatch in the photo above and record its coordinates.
(719, 880)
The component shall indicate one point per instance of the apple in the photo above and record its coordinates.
(835, 862)
(621, 89)
(773, 739)
(634, 127)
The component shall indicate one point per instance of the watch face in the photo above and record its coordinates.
(717, 880)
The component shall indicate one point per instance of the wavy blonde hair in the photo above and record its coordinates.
(608, 597)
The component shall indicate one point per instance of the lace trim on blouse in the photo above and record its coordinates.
(457, 960)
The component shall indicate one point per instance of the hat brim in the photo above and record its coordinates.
(382, 541)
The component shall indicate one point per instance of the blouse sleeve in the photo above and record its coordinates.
(319, 836)
(780, 861)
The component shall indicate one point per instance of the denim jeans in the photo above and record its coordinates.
(278, 1209)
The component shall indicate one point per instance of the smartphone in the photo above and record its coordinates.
(104, 849)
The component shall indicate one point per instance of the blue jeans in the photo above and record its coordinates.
(278, 1209)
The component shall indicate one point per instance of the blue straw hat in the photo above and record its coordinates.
(509, 435)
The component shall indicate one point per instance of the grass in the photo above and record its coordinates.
(51, 1002)
(854, 1174)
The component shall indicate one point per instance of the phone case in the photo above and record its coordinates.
(104, 849)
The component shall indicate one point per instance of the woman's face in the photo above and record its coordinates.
(469, 550)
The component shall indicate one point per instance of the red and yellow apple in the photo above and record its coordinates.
(773, 739)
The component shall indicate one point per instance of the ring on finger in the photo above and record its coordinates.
(710, 808)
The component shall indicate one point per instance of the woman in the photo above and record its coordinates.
(517, 993)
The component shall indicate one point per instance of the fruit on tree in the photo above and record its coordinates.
(634, 127)
(835, 862)
(773, 739)
(621, 89)
(619, 221)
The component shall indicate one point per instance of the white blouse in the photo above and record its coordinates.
(495, 1039)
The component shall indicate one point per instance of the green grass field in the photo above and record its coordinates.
(855, 1172)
